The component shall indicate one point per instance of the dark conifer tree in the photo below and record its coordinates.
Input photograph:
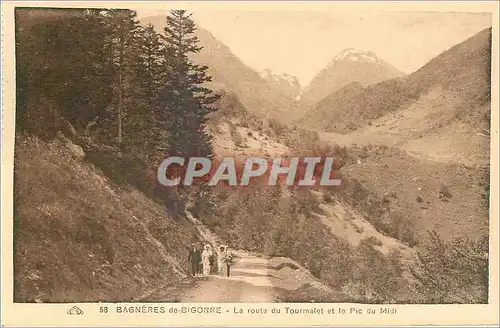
(125, 56)
(148, 132)
(151, 74)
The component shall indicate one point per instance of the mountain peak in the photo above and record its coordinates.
(355, 55)
(284, 83)
(349, 65)
(268, 73)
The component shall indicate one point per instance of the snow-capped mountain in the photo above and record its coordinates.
(350, 65)
(355, 55)
(284, 83)
(461, 75)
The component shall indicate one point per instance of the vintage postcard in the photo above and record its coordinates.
(249, 163)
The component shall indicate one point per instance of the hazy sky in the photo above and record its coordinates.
(302, 43)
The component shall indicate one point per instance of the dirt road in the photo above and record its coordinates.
(249, 282)
(254, 278)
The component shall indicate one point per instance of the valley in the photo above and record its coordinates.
(412, 150)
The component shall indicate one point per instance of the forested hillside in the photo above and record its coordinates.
(101, 101)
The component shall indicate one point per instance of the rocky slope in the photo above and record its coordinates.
(80, 237)
(419, 138)
(283, 83)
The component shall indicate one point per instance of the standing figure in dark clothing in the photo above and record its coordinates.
(194, 258)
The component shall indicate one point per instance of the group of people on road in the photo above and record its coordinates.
(204, 261)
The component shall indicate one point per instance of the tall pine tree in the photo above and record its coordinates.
(187, 101)
(148, 133)
(151, 73)
(123, 45)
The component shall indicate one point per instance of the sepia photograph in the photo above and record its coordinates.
(198, 155)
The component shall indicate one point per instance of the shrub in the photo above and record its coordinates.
(373, 241)
(377, 278)
(444, 193)
(277, 127)
(42, 118)
(402, 228)
(121, 168)
(238, 139)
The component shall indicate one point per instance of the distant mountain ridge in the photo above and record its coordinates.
(462, 73)
(350, 65)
